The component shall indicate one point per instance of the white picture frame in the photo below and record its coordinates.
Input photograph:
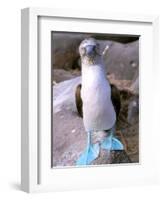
(36, 171)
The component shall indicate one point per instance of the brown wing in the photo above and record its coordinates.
(78, 100)
(115, 97)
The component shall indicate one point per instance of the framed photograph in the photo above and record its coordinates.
(88, 100)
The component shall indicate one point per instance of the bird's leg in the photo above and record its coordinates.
(98, 136)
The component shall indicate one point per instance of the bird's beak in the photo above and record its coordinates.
(90, 50)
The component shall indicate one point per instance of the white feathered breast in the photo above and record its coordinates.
(98, 110)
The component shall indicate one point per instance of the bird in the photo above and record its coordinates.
(97, 101)
(115, 97)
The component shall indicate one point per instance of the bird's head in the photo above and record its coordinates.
(89, 51)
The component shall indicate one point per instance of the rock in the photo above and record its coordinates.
(122, 59)
(120, 156)
(133, 110)
(65, 49)
(69, 138)
(60, 75)
(135, 86)
(64, 95)
(112, 157)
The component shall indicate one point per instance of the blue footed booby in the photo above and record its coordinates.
(97, 103)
